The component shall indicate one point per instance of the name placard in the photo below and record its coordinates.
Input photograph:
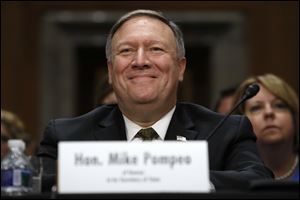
(136, 167)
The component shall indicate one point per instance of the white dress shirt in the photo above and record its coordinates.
(161, 127)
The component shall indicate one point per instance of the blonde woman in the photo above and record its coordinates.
(274, 114)
(12, 127)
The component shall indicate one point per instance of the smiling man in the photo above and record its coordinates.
(146, 61)
(145, 68)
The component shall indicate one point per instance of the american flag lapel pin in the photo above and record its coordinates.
(181, 138)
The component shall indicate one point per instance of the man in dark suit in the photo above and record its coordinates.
(146, 61)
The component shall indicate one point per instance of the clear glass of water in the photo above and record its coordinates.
(36, 163)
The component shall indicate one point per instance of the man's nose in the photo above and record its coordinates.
(141, 59)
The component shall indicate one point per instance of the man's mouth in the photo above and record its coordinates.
(142, 77)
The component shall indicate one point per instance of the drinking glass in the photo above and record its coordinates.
(37, 166)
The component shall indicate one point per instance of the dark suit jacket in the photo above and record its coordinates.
(233, 157)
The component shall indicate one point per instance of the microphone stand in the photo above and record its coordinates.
(224, 119)
(251, 91)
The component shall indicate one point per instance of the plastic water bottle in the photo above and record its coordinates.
(16, 170)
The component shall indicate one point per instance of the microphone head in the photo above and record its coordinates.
(251, 91)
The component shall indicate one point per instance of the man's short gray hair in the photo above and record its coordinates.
(149, 13)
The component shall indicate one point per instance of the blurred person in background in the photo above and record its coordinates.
(12, 127)
(225, 101)
(105, 93)
(274, 114)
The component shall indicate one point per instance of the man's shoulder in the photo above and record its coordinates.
(198, 112)
(83, 127)
(96, 114)
(195, 109)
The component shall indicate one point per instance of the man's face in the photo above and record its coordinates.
(144, 68)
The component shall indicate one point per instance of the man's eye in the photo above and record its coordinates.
(156, 49)
(126, 51)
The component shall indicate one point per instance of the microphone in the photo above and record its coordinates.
(250, 92)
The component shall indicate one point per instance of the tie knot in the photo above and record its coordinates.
(147, 134)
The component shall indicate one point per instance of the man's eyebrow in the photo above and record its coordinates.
(123, 43)
(132, 43)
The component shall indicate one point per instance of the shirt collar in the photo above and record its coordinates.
(161, 126)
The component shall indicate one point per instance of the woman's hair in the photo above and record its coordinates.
(281, 90)
(14, 126)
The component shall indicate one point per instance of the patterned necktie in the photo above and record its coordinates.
(147, 134)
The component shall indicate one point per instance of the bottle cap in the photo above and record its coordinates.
(16, 143)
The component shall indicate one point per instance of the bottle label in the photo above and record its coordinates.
(6, 178)
(15, 177)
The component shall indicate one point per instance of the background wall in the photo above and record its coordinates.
(272, 34)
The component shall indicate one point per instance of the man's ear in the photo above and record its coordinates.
(109, 67)
(182, 65)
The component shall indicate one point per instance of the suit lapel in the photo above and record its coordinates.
(180, 125)
(112, 127)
